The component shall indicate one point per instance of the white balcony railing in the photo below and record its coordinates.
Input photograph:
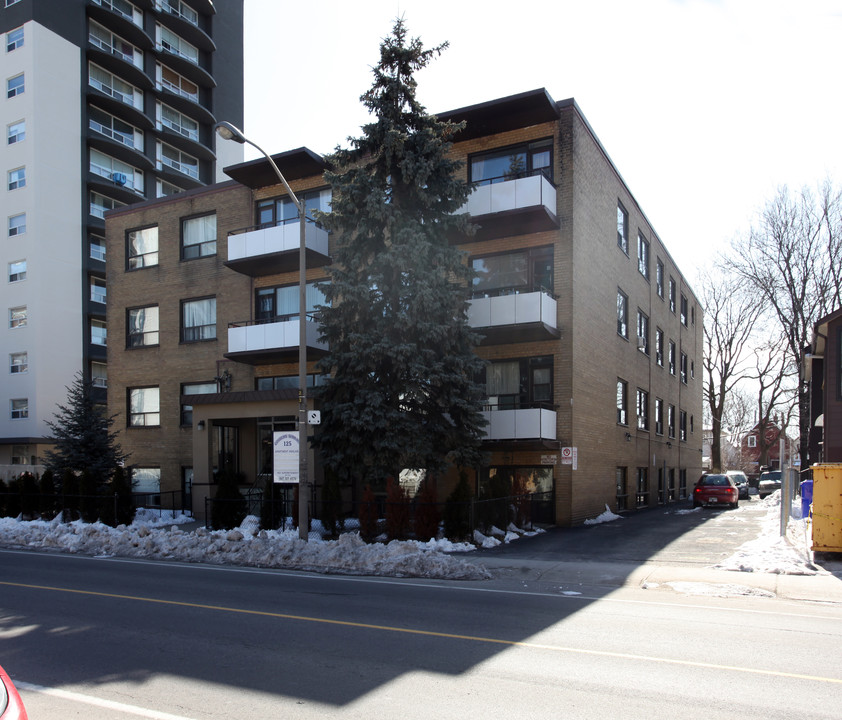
(512, 195)
(517, 309)
(279, 238)
(266, 337)
(524, 424)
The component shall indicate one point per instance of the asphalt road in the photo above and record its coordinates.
(108, 638)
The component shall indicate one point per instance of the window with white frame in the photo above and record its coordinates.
(16, 132)
(177, 45)
(683, 315)
(672, 291)
(175, 83)
(671, 421)
(182, 162)
(14, 39)
(15, 86)
(751, 441)
(146, 481)
(100, 204)
(98, 293)
(17, 178)
(18, 362)
(144, 407)
(17, 224)
(21, 455)
(115, 129)
(198, 320)
(659, 277)
(114, 87)
(17, 271)
(124, 8)
(99, 333)
(622, 228)
(97, 247)
(177, 122)
(642, 409)
(683, 367)
(142, 248)
(642, 255)
(117, 171)
(17, 317)
(165, 189)
(671, 357)
(107, 41)
(99, 374)
(622, 314)
(622, 402)
(19, 408)
(142, 329)
(659, 416)
(642, 332)
(659, 346)
(198, 237)
(179, 9)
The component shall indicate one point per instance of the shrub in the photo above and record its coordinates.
(426, 524)
(368, 515)
(397, 511)
(48, 504)
(229, 506)
(457, 521)
(331, 505)
(29, 501)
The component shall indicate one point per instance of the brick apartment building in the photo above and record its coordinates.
(591, 332)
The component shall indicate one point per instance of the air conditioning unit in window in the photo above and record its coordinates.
(641, 343)
(119, 178)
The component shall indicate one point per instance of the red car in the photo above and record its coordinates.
(11, 706)
(716, 489)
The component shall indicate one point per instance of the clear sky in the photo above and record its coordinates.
(705, 106)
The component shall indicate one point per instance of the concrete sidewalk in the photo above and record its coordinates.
(602, 577)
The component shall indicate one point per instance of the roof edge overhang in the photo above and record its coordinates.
(293, 164)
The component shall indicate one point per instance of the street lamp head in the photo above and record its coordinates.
(227, 131)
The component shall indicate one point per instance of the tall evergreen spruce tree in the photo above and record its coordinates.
(402, 391)
(83, 437)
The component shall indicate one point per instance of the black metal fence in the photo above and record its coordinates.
(105, 507)
(381, 519)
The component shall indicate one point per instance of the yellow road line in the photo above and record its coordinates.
(444, 635)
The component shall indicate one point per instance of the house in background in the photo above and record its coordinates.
(108, 102)
(591, 333)
(822, 369)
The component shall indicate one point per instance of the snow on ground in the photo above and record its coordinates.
(604, 517)
(772, 553)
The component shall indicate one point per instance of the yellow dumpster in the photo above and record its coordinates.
(827, 507)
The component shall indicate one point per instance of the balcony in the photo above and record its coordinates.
(518, 206)
(520, 424)
(517, 317)
(258, 343)
(270, 250)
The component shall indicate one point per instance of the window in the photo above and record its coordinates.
(284, 382)
(683, 315)
(751, 441)
(281, 303)
(204, 388)
(622, 228)
(672, 295)
(512, 162)
(281, 211)
(99, 374)
(642, 486)
(642, 409)
(659, 416)
(517, 384)
(99, 333)
(17, 225)
(17, 271)
(642, 332)
(142, 326)
(98, 290)
(511, 273)
(177, 122)
(99, 205)
(14, 86)
(179, 161)
(117, 171)
(114, 128)
(622, 488)
(16, 132)
(114, 87)
(659, 346)
(147, 482)
(172, 81)
(112, 44)
(21, 455)
(671, 358)
(622, 402)
(165, 189)
(198, 320)
(642, 255)
(17, 178)
(171, 42)
(142, 248)
(671, 421)
(692, 425)
(682, 425)
(659, 277)
(124, 8)
(683, 368)
(17, 317)
(198, 237)
(19, 408)
(144, 407)
(97, 247)
(9, 3)
(692, 370)
(179, 9)
(18, 363)
(622, 314)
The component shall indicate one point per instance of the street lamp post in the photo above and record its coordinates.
(227, 131)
